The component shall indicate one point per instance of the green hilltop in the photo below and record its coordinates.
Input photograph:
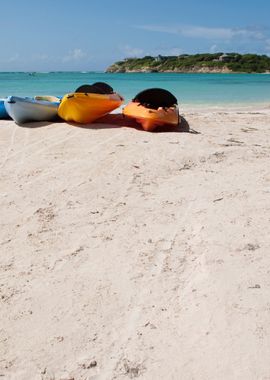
(200, 63)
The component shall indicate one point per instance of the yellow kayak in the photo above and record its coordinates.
(153, 108)
(85, 107)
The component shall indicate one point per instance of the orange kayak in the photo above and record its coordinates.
(152, 118)
(153, 108)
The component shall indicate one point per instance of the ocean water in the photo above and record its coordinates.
(190, 89)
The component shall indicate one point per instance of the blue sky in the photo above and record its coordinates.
(91, 34)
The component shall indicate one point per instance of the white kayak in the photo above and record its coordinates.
(23, 110)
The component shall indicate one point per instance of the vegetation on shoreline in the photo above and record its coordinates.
(217, 62)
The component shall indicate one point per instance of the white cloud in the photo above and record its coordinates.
(40, 57)
(165, 50)
(267, 46)
(213, 48)
(10, 60)
(130, 51)
(193, 31)
(189, 31)
(14, 58)
(207, 33)
(248, 33)
(74, 55)
(174, 51)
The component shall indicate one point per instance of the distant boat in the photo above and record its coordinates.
(23, 110)
(3, 111)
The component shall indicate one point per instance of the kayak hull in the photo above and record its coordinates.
(48, 98)
(23, 110)
(3, 111)
(149, 118)
(84, 108)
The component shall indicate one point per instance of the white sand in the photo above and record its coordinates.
(129, 254)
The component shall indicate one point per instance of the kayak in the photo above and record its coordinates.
(86, 108)
(23, 110)
(88, 103)
(153, 108)
(48, 98)
(152, 118)
(3, 112)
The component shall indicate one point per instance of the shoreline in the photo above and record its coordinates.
(225, 107)
(186, 72)
(229, 107)
(128, 72)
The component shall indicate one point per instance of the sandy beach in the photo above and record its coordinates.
(127, 254)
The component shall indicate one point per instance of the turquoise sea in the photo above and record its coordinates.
(190, 89)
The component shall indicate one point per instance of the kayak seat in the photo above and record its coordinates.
(104, 87)
(89, 89)
(96, 88)
(155, 97)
